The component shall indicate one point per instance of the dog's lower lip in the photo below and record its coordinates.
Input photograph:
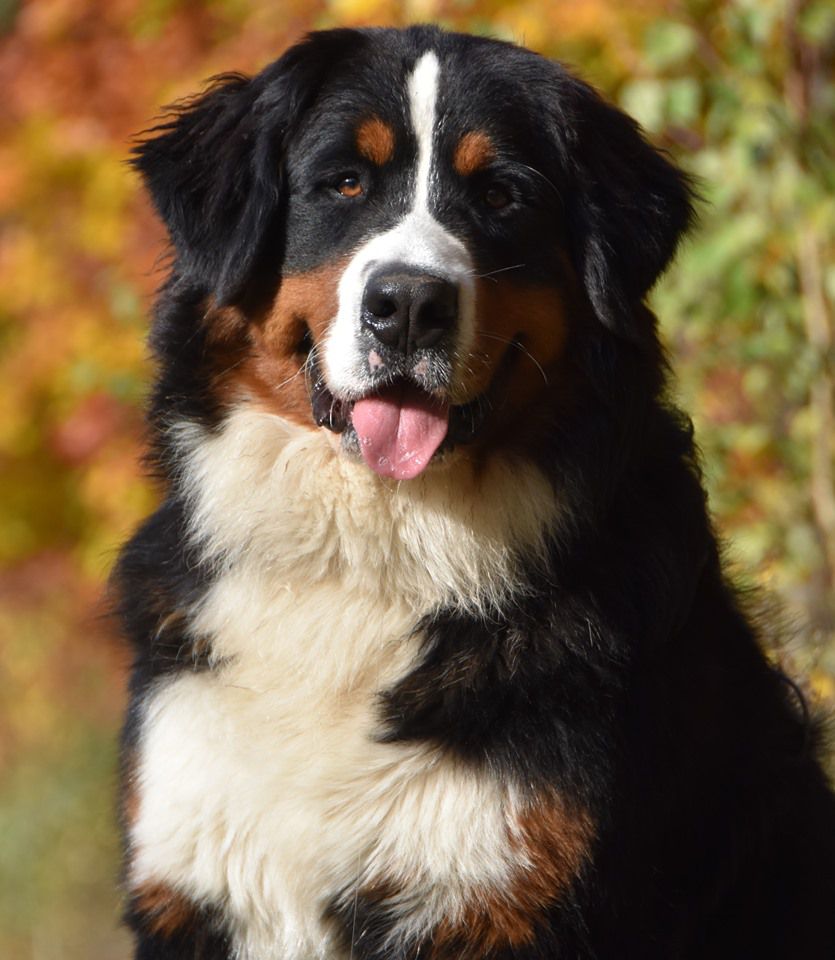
(328, 411)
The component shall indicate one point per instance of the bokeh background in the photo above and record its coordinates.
(741, 92)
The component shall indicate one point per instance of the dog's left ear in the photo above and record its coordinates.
(627, 205)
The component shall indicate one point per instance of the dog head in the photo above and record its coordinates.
(396, 236)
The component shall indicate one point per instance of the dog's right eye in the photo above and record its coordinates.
(349, 185)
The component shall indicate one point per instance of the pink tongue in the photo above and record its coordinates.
(400, 429)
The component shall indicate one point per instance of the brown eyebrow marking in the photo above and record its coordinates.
(473, 152)
(375, 140)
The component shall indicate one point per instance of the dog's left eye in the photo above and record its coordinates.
(496, 196)
(349, 185)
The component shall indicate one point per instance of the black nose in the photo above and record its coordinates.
(408, 310)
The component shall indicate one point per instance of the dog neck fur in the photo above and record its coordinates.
(265, 493)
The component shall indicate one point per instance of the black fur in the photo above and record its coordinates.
(214, 168)
(626, 672)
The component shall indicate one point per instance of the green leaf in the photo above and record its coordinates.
(684, 99)
(644, 99)
(817, 22)
(667, 43)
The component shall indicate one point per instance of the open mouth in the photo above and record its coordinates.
(399, 428)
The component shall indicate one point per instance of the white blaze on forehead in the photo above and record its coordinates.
(418, 241)
(423, 95)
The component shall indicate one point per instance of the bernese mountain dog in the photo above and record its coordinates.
(433, 654)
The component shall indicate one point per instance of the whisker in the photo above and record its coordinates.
(232, 366)
(519, 346)
(491, 273)
(289, 379)
(542, 176)
(309, 366)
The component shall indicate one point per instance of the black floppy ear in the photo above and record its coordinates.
(627, 205)
(199, 168)
(214, 170)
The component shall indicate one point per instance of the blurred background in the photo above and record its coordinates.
(741, 92)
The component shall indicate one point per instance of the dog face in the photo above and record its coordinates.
(400, 236)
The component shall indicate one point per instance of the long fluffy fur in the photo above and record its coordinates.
(510, 708)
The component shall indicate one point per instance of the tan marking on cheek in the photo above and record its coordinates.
(551, 843)
(526, 384)
(375, 140)
(165, 911)
(473, 152)
(225, 325)
(533, 315)
(270, 369)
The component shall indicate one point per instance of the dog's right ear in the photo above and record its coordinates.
(214, 168)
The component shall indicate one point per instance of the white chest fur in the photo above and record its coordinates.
(263, 789)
